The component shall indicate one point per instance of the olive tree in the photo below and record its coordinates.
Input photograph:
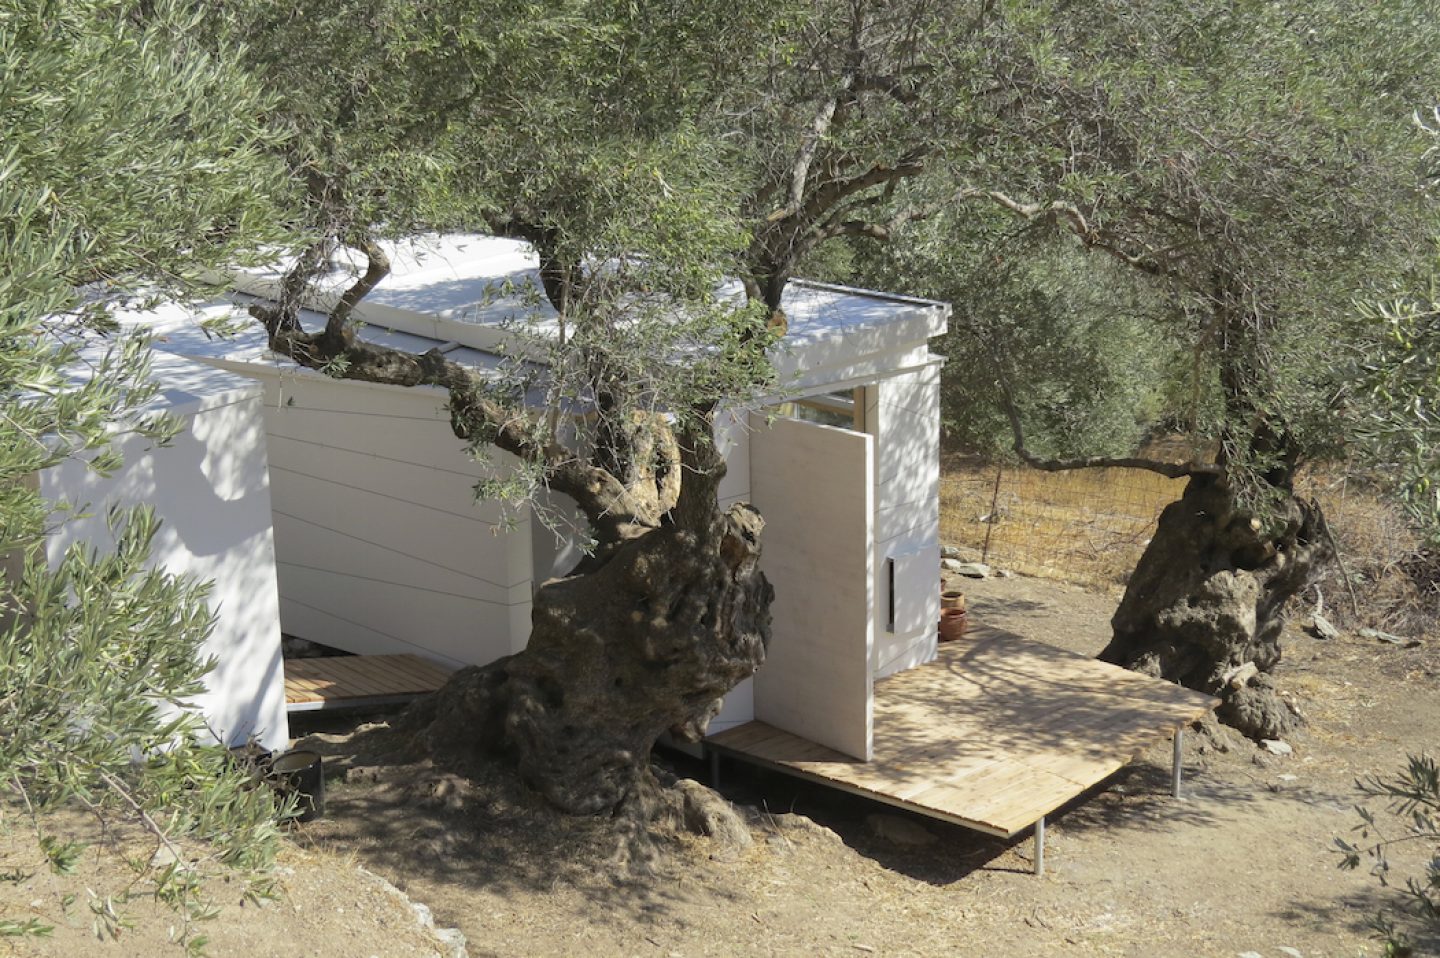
(132, 158)
(1242, 159)
(1254, 171)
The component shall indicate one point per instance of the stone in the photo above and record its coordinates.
(972, 570)
(951, 552)
(1290, 952)
(166, 856)
(1389, 638)
(1249, 954)
(1276, 747)
(1321, 628)
(793, 821)
(1239, 676)
(1257, 710)
(706, 813)
(950, 565)
(452, 942)
(899, 831)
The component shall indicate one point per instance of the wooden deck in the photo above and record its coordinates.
(358, 681)
(995, 734)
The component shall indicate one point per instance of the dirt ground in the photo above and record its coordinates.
(326, 905)
(1244, 863)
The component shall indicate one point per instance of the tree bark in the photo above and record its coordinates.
(1209, 594)
(646, 642)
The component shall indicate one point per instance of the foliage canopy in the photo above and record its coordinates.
(133, 160)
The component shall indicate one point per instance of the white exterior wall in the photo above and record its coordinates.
(210, 490)
(815, 485)
(903, 414)
(732, 438)
(381, 545)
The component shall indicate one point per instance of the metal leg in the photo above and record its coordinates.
(1175, 771)
(1040, 847)
(714, 768)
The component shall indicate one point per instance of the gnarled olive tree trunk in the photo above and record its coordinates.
(644, 638)
(1208, 598)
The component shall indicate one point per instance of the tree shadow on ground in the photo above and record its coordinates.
(425, 828)
(998, 606)
(1137, 798)
(428, 829)
(1355, 912)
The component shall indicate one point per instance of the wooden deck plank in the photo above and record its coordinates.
(418, 670)
(358, 679)
(352, 679)
(399, 673)
(997, 732)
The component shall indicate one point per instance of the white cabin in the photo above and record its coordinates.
(381, 547)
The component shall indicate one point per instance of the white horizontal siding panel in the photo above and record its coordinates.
(908, 421)
(459, 628)
(907, 653)
(413, 440)
(449, 492)
(447, 539)
(309, 545)
(907, 518)
(293, 388)
(918, 519)
(335, 629)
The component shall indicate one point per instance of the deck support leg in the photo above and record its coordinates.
(714, 768)
(1176, 770)
(1040, 847)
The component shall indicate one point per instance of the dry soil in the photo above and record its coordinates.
(1244, 863)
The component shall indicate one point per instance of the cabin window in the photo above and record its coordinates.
(845, 409)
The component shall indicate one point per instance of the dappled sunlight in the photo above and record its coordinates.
(997, 732)
(444, 836)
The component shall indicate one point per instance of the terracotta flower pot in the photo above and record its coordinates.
(952, 624)
(952, 599)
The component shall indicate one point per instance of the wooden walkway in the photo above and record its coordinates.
(358, 681)
(995, 734)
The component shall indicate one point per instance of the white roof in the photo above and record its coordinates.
(449, 291)
(186, 387)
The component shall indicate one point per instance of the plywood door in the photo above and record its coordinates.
(814, 485)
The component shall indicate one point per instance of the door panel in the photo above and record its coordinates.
(814, 485)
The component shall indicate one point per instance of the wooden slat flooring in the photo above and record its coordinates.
(996, 733)
(358, 680)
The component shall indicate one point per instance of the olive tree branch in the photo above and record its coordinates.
(1172, 470)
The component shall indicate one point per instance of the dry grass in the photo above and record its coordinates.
(1388, 580)
(1090, 527)
(1087, 527)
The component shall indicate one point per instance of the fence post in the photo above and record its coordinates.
(990, 521)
